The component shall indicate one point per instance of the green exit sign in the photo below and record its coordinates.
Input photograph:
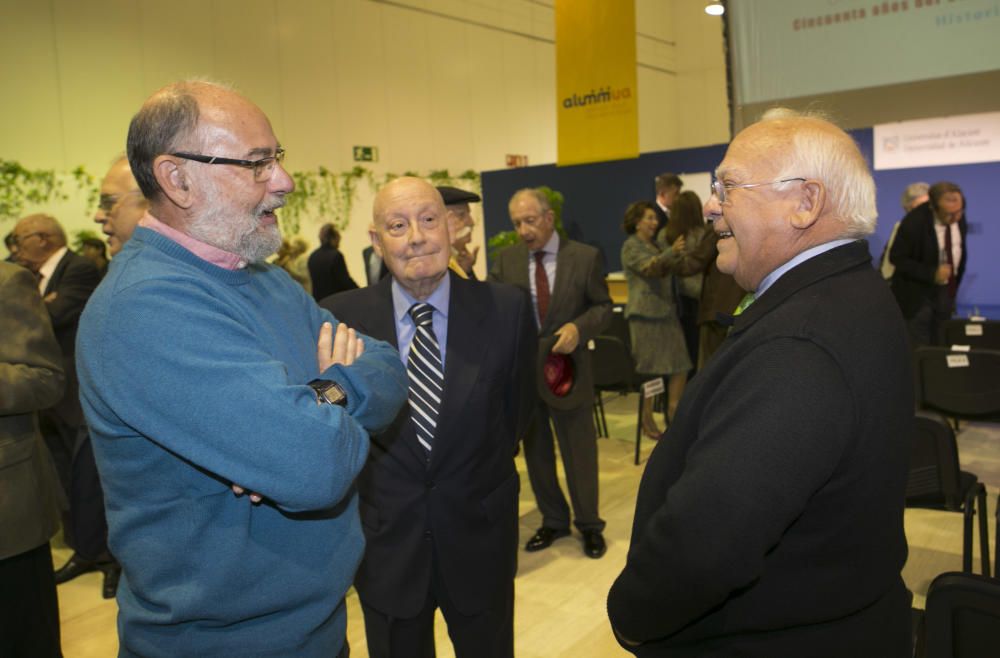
(366, 154)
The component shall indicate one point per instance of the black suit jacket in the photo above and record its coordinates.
(580, 296)
(73, 281)
(462, 504)
(769, 520)
(383, 271)
(916, 256)
(328, 272)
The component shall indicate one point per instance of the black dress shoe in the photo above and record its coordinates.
(112, 572)
(593, 544)
(543, 538)
(76, 566)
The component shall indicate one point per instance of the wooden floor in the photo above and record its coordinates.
(560, 593)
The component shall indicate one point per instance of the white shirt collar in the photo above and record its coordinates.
(48, 267)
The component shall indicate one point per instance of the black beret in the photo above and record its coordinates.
(452, 195)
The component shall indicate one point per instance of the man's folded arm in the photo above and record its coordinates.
(217, 398)
(375, 383)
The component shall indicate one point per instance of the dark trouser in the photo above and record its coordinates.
(60, 439)
(578, 447)
(486, 634)
(29, 606)
(688, 307)
(926, 326)
(86, 522)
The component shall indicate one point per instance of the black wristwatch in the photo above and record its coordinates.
(328, 392)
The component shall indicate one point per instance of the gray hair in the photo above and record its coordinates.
(913, 192)
(535, 193)
(162, 123)
(822, 151)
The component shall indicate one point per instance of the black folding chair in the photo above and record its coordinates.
(981, 334)
(936, 482)
(614, 372)
(959, 384)
(962, 617)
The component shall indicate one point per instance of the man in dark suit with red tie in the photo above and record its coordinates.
(572, 305)
(438, 495)
(929, 255)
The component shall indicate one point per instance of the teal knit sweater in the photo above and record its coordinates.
(194, 377)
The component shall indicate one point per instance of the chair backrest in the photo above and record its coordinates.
(618, 327)
(983, 334)
(962, 619)
(611, 364)
(934, 466)
(959, 384)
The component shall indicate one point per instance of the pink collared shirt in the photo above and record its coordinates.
(218, 257)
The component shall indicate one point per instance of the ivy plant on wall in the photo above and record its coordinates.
(20, 185)
(319, 193)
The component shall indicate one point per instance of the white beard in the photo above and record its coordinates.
(242, 235)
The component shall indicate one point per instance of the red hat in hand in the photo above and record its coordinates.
(558, 372)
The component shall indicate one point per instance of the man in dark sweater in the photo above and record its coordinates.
(769, 521)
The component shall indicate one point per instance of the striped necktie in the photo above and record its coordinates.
(426, 375)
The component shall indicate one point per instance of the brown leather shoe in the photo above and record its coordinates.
(544, 537)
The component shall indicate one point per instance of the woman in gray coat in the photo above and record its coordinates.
(657, 339)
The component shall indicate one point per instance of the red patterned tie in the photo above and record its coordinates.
(541, 286)
(952, 278)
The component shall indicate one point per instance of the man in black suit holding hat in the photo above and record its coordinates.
(572, 305)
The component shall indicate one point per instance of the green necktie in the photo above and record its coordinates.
(744, 303)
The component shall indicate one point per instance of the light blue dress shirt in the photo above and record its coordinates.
(405, 328)
(812, 252)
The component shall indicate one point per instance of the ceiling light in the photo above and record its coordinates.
(715, 9)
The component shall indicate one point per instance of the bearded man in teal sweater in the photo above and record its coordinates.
(205, 372)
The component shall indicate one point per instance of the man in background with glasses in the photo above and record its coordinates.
(769, 519)
(203, 369)
(120, 207)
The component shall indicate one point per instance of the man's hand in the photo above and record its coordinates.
(255, 498)
(466, 259)
(51, 297)
(569, 338)
(343, 348)
(943, 274)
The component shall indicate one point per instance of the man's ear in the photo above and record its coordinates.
(376, 243)
(812, 200)
(173, 180)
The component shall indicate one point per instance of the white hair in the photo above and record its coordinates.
(822, 151)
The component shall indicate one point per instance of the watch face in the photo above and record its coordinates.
(329, 392)
(334, 394)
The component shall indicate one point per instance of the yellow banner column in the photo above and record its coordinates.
(597, 112)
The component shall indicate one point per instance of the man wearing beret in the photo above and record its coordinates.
(572, 305)
(460, 223)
